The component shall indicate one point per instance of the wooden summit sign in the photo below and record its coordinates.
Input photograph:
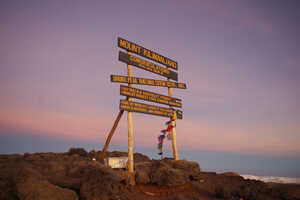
(144, 95)
(149, 96)
(139, 50)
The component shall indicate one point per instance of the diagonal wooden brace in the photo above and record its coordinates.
(102, 155)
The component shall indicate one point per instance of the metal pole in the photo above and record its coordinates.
(174, 143)
(130, 135)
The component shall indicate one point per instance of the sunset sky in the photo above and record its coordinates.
(239, 59)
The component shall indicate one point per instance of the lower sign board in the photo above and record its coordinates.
(146, 81)
(146, 108)
(148, 66)
(149, 96)
(179, 114)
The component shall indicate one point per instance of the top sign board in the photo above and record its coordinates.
(146, 53)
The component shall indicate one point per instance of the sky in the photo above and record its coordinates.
(239, 59)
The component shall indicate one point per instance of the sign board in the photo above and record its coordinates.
(116, 162)
(146, 108)
(146, 65)
(146, 53)
(179, 114)
(149, 96)
(146, 81)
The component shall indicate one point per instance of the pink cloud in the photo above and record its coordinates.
(192, 134)
(86, 126)
(237, 138)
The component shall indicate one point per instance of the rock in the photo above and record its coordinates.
(230, 174)
(36, 189)
(78, 151)
(164, 174)
(30, 185)
(99, 183)
(286, 191)
(223, 192)
(143, 172)
(137, 157)
(190, 169)
(7, 190)
(93, 154)
(65, 182)
(73, 174)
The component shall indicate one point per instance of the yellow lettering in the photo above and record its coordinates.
(173, 84)
(154, 56)
(123, 79)
(127, 45)
(143, 81)
(133, 48)
(138, 48)
(161, 59)
(151, 82)
(181, 85)
(123, 43)
(146, 53)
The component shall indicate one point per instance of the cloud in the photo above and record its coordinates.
(192, 133)
(79, 125)
(262, 138)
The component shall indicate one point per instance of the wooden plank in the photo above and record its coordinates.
(149, 96)
(146, 108)
(179, 114)
(148, 66)
(111, 133)
(146, 81)
(174, 142)
(130, 135)
(146, 53)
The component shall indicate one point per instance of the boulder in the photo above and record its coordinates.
(33, 188)
(99, 183)
(163, 174)
(190, 169)
(137, 157)
(78, 151)
(31, 185)
(143, 172)
(166, 172)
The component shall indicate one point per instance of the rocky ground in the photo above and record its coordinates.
(75, 176)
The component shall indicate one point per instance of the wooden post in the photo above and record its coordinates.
(174, 143)
(130, 136)
(102, 155)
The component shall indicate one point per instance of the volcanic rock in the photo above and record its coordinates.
(74, 175)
